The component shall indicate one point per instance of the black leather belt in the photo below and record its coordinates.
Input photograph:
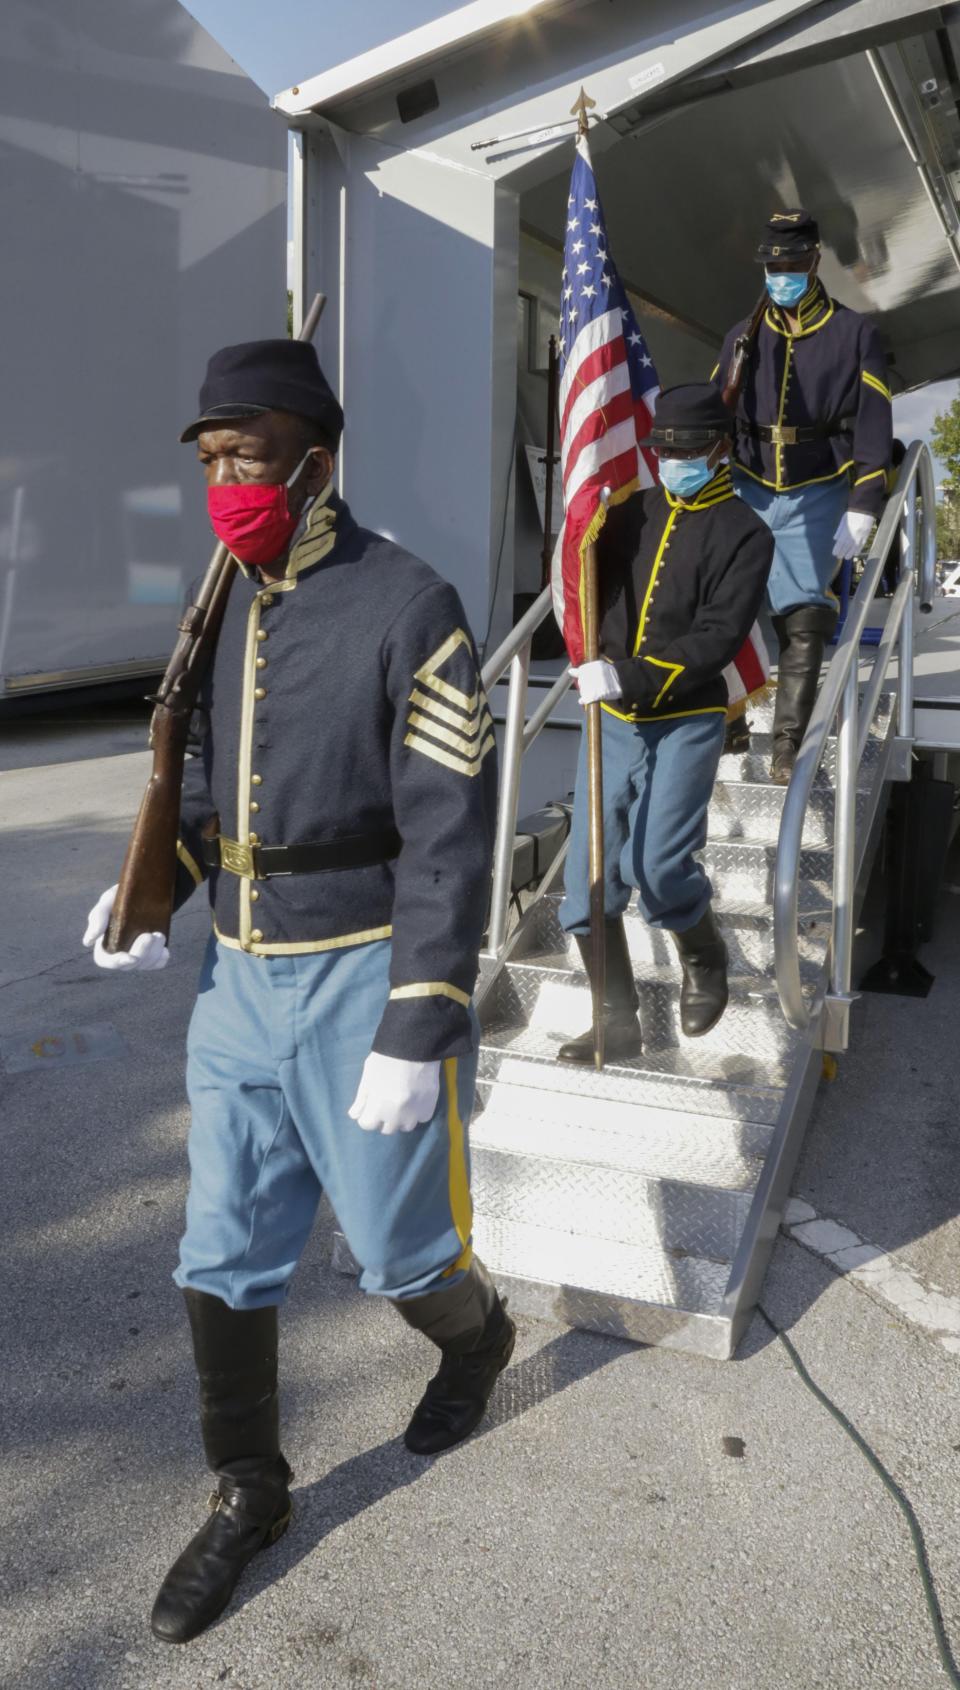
(783, 434)
(266, 862)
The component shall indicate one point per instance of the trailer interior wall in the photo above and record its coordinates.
(142, 180)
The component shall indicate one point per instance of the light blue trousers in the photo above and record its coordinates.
(803, 524)
(657, 781)
(274, 1056)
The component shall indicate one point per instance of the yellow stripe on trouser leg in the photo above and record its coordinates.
(461, 1205)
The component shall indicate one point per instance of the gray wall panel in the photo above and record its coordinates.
(142, 187)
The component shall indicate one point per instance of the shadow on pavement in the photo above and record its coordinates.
(366, 1479)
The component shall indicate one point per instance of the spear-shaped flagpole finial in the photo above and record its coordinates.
(581, 111)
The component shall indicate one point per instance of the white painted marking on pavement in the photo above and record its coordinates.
(883, 1276)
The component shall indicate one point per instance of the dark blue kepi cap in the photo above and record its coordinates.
(266, 375)
(691, 415)
(789, 234)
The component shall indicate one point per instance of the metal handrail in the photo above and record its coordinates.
(519, 735)
(839, 698)
(520, 635)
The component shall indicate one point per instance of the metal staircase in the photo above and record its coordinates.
(619, 1200)
(644, 1200)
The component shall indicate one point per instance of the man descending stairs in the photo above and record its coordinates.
(641, 1201)
(682, 568)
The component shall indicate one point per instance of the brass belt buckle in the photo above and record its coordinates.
(237, 858)
(783, 436)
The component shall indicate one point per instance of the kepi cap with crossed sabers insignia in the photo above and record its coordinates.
(789, 234)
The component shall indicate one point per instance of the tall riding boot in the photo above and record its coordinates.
(475, 1337)
(704, 993)
(621, 1000)
(802, 635)
(236, 1357)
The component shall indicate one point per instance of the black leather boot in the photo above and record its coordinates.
(236, 1357)
(622, 1037)
(475, 1336)
(736, 738)
(704, 993)
(802, 635)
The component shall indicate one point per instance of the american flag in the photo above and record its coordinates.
(607, 398)
(608, 388)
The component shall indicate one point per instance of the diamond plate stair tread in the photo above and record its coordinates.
(751, 811)
(659, 959)
(658, 1143)
(612, 1205)
(557, 1006)
(545, 926)
(760, 714)
(642, 1274)
(754, 765)
(731, 1085)
(564, 967)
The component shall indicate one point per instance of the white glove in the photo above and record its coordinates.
(148, 951)
(853, 532)
(394, 1096)
(597, 682)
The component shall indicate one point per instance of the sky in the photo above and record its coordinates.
(292, 40)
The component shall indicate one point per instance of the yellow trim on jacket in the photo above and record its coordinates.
(432, 989)
(794, 486)
(306, 947)
(668, 715)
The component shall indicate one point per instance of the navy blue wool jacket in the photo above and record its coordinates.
(346, 700)
(833, 369)
(681, 582)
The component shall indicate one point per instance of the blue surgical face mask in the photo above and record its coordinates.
(787, 287)
(685, 476)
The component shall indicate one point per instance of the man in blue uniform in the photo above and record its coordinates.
(812, 448)
(341, 807)
(682, 570)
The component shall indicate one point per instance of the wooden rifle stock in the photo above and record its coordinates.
(741, 350)
(144, 900)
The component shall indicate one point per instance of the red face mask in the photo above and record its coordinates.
(254, 522)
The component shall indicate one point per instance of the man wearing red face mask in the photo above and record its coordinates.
(341, 807)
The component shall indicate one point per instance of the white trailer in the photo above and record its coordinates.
(143, 193)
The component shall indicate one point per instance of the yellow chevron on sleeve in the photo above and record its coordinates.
(450, 759)
(429, 677)
(452, 718)
(459, 742)
(876, 384)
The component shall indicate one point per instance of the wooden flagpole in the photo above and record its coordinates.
(591, 652)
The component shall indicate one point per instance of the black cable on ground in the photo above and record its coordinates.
(905, 1506)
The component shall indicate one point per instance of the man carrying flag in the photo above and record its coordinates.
(682, 571)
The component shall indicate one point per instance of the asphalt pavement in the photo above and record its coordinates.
(627, 1517)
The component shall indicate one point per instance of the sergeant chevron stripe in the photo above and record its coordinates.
(461, 737)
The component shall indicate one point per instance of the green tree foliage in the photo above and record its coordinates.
(945, 440)
(289, 314)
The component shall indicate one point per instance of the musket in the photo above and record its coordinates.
(144, 900)
(591, 652)
(741, 351)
